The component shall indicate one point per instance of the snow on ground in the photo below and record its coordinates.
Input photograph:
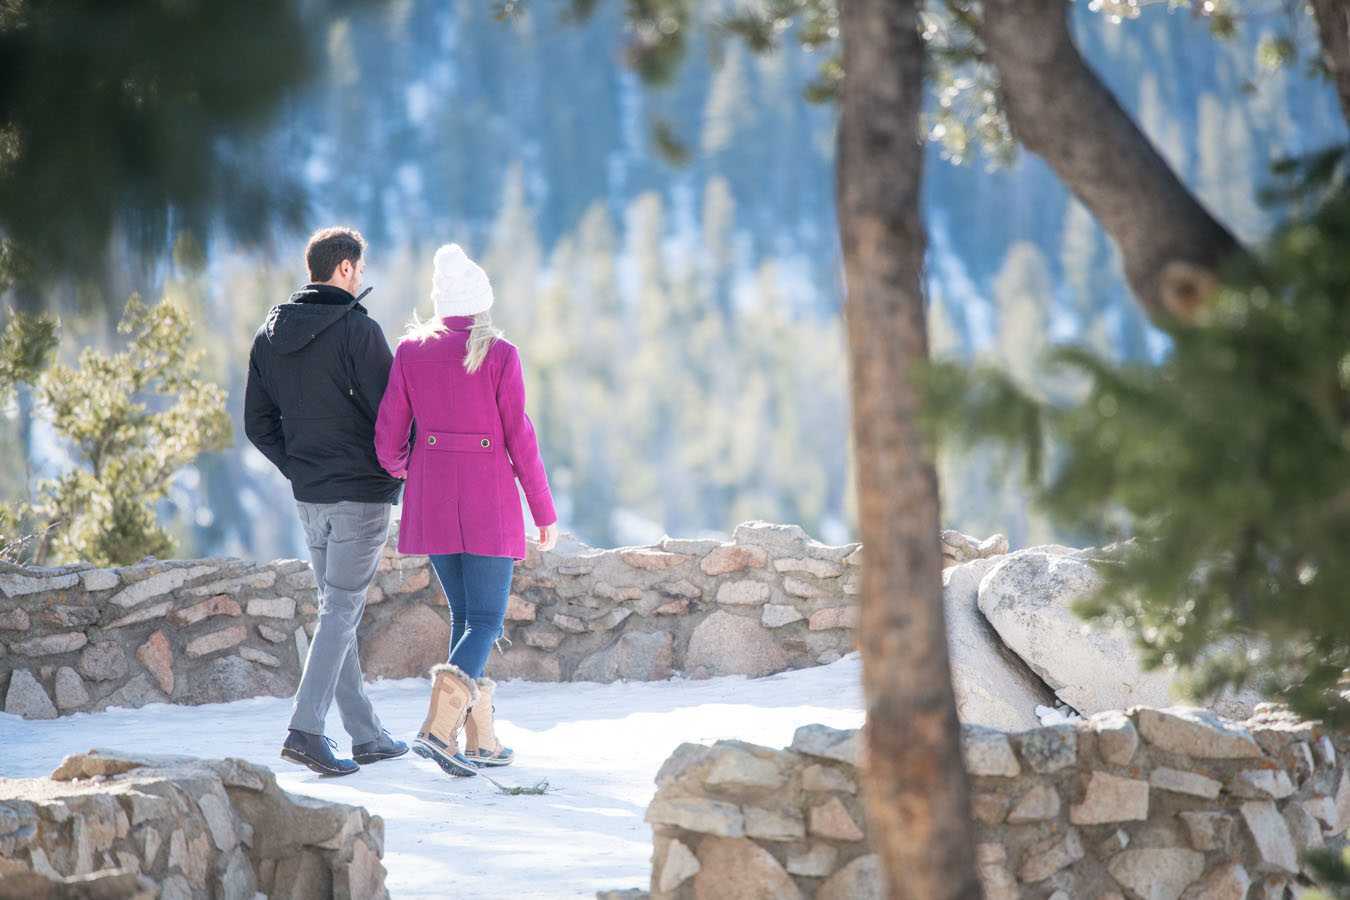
(599, 746)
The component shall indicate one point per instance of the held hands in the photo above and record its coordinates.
(548, 536)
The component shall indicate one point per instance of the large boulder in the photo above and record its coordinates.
(232, 678)
(993, 686)
(1028, 596)
(1092, 667)
(413, 640)
(525, 663)
(634, 655)
(728, 644)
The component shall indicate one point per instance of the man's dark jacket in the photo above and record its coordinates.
(316, 374)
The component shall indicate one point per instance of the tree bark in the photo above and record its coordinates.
(914, 781)
(1060, 110)
(1333, 31)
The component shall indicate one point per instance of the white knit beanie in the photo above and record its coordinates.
(459, 286)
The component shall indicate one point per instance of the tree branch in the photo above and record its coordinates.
(1061, 111)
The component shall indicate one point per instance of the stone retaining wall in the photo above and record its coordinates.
(1160, 804)
(77, 638)
(189, 631)
(768, 600)
(195, 829)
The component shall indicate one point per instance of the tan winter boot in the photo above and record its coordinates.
(452, 693)
(480, 738)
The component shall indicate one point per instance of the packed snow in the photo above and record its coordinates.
(598, 745)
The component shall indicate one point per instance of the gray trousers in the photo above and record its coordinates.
(345, 540)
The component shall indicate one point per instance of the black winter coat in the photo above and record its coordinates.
(316, 374)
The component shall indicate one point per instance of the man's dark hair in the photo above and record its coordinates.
(328, 247)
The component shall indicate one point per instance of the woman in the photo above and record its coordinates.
(453, 423)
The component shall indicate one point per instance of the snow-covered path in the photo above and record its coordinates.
(599, 746)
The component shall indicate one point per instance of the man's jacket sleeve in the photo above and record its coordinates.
(262, 418)
(371, 362)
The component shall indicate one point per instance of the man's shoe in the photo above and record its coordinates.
(315, 751)
(383, 747)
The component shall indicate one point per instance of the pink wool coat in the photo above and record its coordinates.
(472, 441)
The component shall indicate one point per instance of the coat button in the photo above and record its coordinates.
(431, 439)
(486, 442)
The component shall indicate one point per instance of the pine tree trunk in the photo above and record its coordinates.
(913, 779)
(1333, 30)
(1060, 110)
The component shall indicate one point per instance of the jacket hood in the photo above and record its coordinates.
(292, 325)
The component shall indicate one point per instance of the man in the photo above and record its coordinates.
(316, 373)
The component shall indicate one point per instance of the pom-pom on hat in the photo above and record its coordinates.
(459, 286)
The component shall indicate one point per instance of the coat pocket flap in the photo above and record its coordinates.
(458, 441)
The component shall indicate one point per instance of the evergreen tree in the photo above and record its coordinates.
(1157, 122)
(718, 233)
(26, 348)
(135, 418)
(946, 337)
(1225, 465)
(727, 112)
(1083, 276)
(1022, 296)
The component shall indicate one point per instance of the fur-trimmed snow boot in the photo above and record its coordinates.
(480, 737)
(452, 693)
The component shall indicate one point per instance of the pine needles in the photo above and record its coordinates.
(540, 787)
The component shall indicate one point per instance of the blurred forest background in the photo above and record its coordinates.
(680, 326)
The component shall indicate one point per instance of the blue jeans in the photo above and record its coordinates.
(477, 588)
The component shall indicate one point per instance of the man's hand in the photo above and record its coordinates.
(548, 536)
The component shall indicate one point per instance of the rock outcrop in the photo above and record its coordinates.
(994, 686)
(1028, 596)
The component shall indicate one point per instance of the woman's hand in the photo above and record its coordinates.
(548, 536)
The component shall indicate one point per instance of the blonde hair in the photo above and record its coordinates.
(481, 336)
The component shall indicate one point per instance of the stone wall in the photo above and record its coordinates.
(190, 631)
(78, 638)
(214, 630)
(1159, 804)
(768, 600)
(192, 829)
